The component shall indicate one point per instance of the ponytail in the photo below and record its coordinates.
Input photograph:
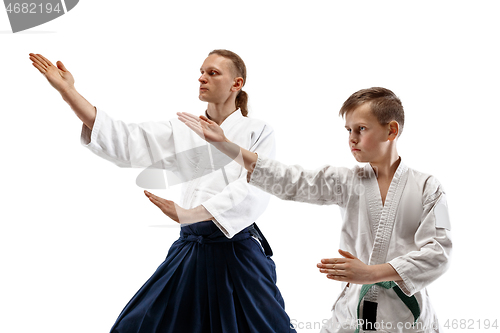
(241, 102)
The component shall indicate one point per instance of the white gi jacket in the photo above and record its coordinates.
(208, 177)
(411, 232)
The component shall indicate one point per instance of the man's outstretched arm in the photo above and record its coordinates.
(62, 80)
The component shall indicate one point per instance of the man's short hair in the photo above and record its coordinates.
(385, 105)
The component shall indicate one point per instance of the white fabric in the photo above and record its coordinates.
(208, 177)
(404, 233)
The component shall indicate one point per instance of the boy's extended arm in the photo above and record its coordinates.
(322, 186)
(62, 80)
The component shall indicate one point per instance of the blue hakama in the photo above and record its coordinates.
(210, 283)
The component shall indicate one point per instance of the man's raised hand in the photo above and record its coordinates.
(211, 132)
(62, 80)
(58, 76)
(207, 129)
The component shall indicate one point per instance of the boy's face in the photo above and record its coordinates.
(368, 139)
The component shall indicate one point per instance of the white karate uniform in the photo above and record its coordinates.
(411, 232)
(208, 177)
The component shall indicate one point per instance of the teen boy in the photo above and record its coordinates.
(395, 237)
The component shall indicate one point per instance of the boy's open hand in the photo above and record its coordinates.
(347, 269)
(207, 129)
(59, 77)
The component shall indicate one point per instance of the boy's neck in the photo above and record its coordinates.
(386, 168)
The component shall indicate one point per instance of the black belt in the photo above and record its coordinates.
(255, 231)
(218, 237)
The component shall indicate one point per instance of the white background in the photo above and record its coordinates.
(78, 237)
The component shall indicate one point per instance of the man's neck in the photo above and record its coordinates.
(219, 112)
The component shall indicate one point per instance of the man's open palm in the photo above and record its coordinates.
(59, 77)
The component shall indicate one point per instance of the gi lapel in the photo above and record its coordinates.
(373, 198)
(384, 217)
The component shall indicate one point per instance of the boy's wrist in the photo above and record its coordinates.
(384, 272)
(375, 273)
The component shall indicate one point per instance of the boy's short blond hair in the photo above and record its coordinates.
(385, 105)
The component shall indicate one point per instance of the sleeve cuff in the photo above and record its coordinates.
(89, 136)
(253, 178)
(219, 221)
(405, 284)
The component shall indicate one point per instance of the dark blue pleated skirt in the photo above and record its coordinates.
(209, 283)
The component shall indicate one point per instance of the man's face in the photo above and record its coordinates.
(368, 139)
(216, 79)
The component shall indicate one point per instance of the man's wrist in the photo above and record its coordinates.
(68, 92)
(196, 214)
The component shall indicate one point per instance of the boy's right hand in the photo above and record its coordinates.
(59, 77)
